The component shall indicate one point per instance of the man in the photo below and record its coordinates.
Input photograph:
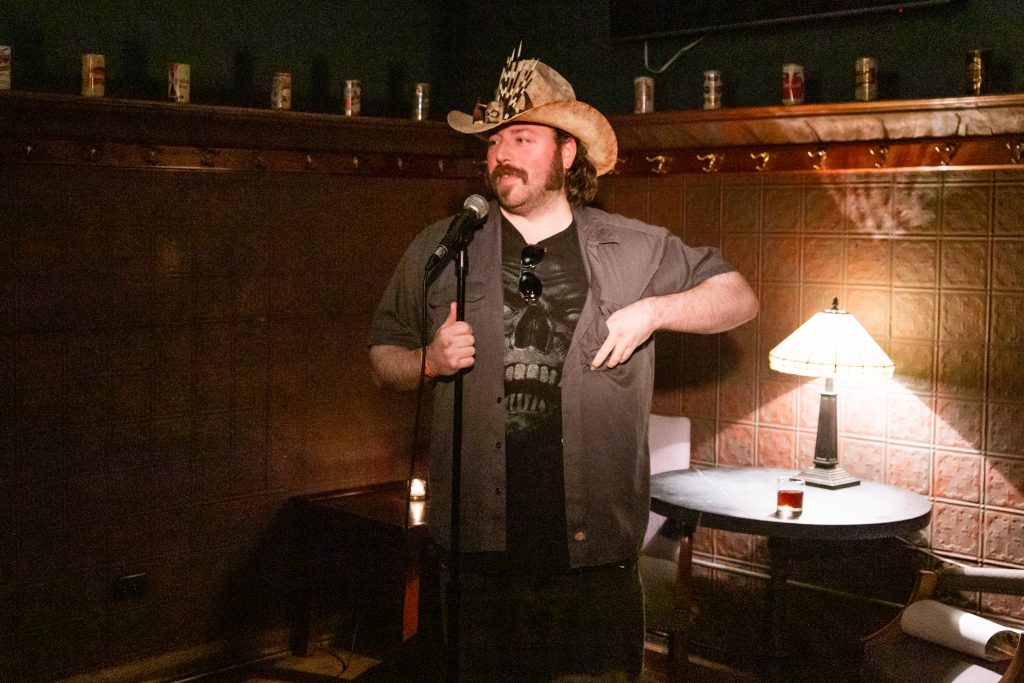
(557, 362)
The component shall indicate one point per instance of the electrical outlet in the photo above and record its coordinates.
(130, 587)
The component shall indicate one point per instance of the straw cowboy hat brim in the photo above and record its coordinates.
(580, 120)
(530, 91)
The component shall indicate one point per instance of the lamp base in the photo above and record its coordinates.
(828, 478)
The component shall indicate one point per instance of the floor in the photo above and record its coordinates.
(326, 666)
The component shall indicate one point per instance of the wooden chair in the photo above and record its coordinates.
(890, 655)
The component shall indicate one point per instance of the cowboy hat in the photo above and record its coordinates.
(530, 91)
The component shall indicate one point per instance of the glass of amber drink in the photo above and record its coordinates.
(789, 501)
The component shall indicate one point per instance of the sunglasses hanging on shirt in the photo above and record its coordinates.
(530, 286)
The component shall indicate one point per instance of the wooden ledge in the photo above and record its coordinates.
(819, 123)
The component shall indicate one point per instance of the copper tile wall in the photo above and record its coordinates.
(932, 264)
(180, 353)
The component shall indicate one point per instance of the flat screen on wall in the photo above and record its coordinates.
(639, 19)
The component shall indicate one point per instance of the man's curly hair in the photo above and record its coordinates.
(581, 177)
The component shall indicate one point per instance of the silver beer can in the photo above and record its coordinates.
(178, 82)
(421, 102)
(352, 97)
(792, 84)
(281, 91)
(976, 63)
(712, 89)
(5, 67)
(643, 95)
(93, 75)
(865, 79)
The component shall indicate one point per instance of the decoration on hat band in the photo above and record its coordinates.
(512, 84)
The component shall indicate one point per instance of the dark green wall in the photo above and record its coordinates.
(921, 53)
(459, 46)
(233, 46)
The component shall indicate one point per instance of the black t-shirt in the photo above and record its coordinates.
(537, 337)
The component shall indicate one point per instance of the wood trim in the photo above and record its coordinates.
(143, 156)
(67, 130)
(941, 134)
(995, 152)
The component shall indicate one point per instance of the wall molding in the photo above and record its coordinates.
(940, 134)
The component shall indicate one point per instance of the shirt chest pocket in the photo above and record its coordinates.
(439, 305)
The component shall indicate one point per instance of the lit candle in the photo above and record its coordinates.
(417, 489)
(417, 512)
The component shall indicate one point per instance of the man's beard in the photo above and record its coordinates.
(554, 181)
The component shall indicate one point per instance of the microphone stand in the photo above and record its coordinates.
(454, 580)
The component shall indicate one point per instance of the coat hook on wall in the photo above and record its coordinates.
(821, 154)
(882, 152)
(712, 162)
(946, 152)
(92, 153)
(151, 155)
(761, 160)
(1016, 151)
(659, 164)
(208, 157)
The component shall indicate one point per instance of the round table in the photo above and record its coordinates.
(743, 500)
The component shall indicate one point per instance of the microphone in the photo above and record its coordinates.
(474, 210)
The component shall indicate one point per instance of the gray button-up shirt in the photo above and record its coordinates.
(604, 411)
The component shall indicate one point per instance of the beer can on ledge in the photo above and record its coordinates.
(792, 84)
(93, 75)
(712, 89)
(643, 95)
(976, 66)
(178, 82)
(352, 97)
(5, 67)
(865, 79)
(281, 91)
(421, 102)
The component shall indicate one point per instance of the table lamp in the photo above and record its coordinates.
(831, 344)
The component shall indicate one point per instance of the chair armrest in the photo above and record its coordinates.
(984, 579)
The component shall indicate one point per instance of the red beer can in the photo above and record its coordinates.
(792, 84)
(353, 98)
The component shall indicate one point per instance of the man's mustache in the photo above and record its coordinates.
(506, 169)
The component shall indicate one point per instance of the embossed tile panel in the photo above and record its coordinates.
(958, 476)
(932, 265)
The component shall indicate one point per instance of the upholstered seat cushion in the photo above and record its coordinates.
(919, 660)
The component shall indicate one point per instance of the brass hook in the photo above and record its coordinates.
(355, 162)
(712, 161)
(1016, 151)
(311, 164)
(761, 160)
(946, 152)
(207, 158)
(399, 163)
(151, 155)
(30, 150)
(659, 164)
(618, 164)
(822, 155)
(882, 152)
(92, 153)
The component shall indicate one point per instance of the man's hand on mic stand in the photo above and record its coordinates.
(453, 347)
